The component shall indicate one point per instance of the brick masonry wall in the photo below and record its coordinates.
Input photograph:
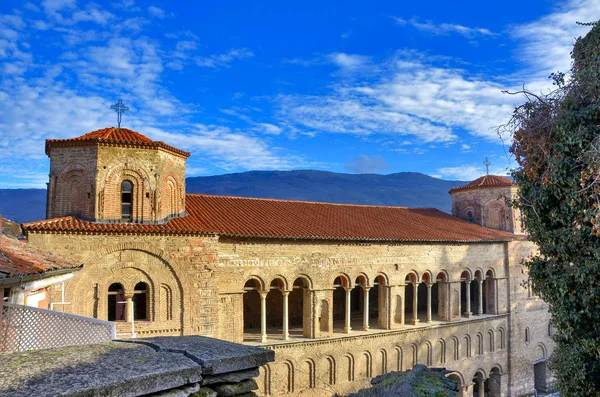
(86, 181)
(72, 184)
(489, 208)
(158, 178)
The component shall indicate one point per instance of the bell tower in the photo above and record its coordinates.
(115, 175)
(486, 202)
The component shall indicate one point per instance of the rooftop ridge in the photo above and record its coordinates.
(308, 202)
(233, 216)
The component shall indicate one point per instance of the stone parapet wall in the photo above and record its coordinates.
(346, 364)
(168, 366)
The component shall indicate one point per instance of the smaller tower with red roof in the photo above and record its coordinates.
(487, 202)
(115, 175)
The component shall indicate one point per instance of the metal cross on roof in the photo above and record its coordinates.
(120, 109)
(487, 166)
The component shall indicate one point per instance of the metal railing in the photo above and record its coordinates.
(29, 328)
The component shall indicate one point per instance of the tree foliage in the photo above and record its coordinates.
(557, 146)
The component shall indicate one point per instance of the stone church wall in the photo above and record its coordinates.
(489, 208)
(183, 266)
(206, 278)
(346, 364)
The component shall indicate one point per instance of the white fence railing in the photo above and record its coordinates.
(29, 328)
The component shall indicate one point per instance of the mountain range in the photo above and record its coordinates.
(408, 189)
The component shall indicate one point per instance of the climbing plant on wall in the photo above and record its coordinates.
(557, 147)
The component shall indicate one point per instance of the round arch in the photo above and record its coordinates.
(89, 305)
(307, 279)
(283, 283)
(412, 276)
(346, 281)
(365, 280)
(442, 275)
(466, 275)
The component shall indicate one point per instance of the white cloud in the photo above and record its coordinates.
(223, 60)
(469, 172)
(364, 164)
(270, 129)
(157, 12)
(68, 94)
(51, 6)
(548, 41)
(410, 97)
(348, 61)
(230, 149)
(444, 28)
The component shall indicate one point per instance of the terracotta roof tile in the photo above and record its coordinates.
(486, 181)
(18, 258)
(270, 218)
(113, 135)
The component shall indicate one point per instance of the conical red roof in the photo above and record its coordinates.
(486, 181)
(115, 136)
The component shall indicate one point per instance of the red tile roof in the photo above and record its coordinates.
(270, 218)
(487, 181)
(115, 136)
(18, 258)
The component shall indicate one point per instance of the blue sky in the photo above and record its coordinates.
(347, 86)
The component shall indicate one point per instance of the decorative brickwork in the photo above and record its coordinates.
(86, 177)
(488, 205)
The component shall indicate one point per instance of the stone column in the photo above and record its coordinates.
(366, 308)
(480, 308)
(480, 387)
(347, 326)
(286, 325)
(415, 314)
(263, 317)
(468, 299)
(429, 286)
(128, 307)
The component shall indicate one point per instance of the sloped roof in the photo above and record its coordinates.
(287, 219)
(115, 136)
(486, 181)
(18, 258)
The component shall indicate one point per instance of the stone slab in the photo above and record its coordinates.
(214, 355)
(231, 377)
(105, 369)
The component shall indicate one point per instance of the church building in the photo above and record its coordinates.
(342, 293)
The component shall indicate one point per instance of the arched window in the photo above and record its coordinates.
(470, 216)
(116, 307)
(127, 201)
(527, 337)
(140, 302)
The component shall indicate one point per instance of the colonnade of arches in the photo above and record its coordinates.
(481, 385)
(280, 310)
